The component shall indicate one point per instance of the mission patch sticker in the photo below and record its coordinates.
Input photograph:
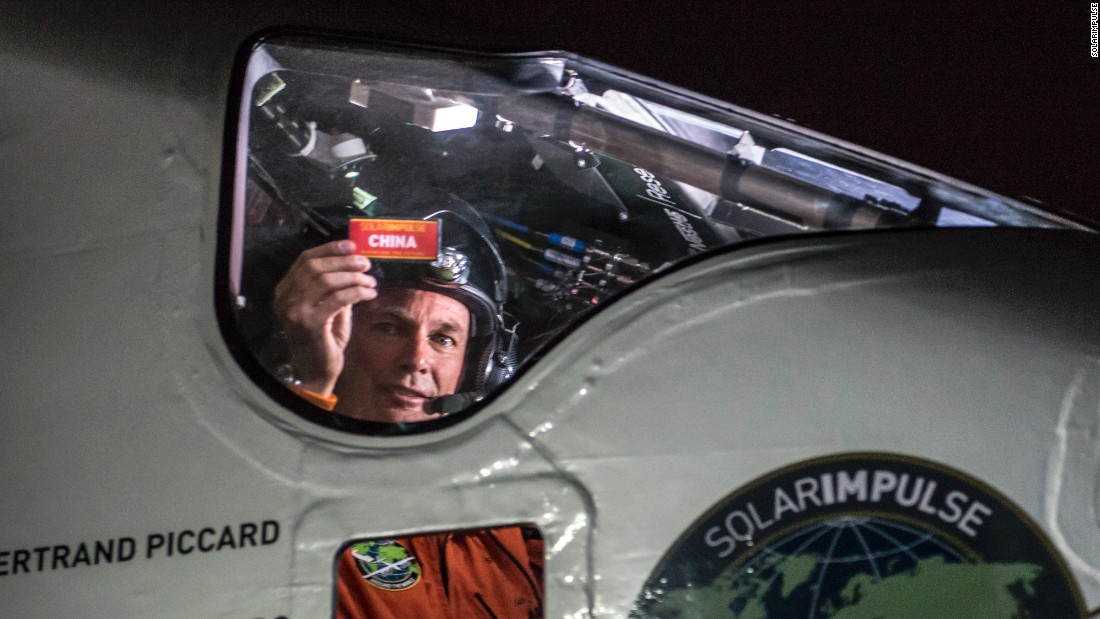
(386, 564)
(395, 239)
(857, 536)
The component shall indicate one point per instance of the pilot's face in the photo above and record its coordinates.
(406, 347)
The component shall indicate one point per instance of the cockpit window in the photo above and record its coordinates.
(409, 227)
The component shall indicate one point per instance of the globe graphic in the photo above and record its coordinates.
(853, 567)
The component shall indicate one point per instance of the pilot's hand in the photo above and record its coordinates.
(313, 303)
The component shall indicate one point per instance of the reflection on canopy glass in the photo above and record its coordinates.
(504, 197)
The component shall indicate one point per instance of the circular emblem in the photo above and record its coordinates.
(862, 535)
(386, 564)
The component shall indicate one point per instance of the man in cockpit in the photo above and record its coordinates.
(383, 346)
(368, 352)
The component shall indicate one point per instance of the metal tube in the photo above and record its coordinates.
(678, 159)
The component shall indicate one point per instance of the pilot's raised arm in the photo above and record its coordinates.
(313, 304)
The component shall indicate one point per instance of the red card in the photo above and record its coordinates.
(395, 239)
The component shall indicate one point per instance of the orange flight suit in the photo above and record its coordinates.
(486, 573)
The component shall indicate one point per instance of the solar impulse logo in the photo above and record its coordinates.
(864, 534)
(872, 487)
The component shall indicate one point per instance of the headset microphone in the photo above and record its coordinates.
(447, 404)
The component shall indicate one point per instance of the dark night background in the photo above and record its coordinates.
(1002, 95)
